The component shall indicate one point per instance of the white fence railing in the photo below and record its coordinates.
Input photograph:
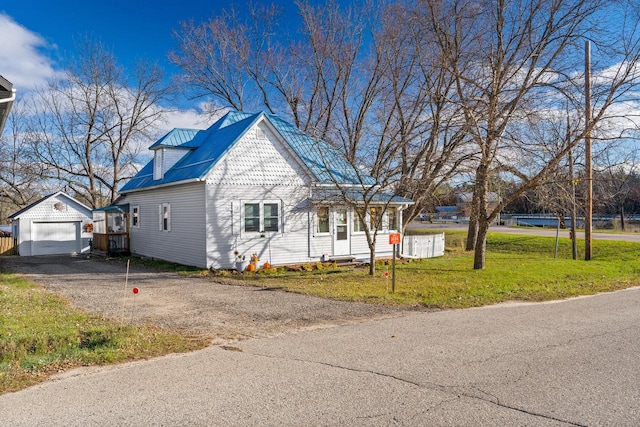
(423, 246)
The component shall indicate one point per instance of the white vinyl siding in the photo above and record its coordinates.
(185, 244)
(261, 169)
(226, 229)
(263, 162)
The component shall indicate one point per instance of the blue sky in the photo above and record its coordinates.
(35, 35)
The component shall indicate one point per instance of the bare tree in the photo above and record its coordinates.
(87, 123)
(514, 63)
(20, 182)
(366, 78)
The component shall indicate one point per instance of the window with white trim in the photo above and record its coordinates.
(392, 219)
(164, 214)
(375, 218)
(135, 216)
(261, 217)
(359, 214)
(322, 220)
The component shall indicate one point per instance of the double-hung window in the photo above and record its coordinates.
(135, 216)
(375, 218)
(261, 217)
(359, 217)
(323, 220)
(392, 219)
(164, 214)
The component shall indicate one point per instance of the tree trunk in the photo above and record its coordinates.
(622, 226)
(481, 244)
(472, 232)
(372, 260)
(480, 196)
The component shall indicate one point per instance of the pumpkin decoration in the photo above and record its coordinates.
(251, 267)
(88, 227)
(266, 266)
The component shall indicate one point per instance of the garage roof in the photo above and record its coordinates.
(17, 215)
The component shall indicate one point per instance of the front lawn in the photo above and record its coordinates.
(519, 268)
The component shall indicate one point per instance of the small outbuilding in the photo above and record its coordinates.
(55, 224)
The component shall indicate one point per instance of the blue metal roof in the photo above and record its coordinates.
(175, 138)
(208, 147)
(357, 195)
(325, 162)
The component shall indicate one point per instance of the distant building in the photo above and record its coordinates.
(464, 202)
(462, 210)
(7, 96)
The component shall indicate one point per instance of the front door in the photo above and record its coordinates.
(341, 233)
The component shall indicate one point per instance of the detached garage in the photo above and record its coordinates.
(55, 224)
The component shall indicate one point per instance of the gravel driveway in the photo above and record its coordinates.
(195, 305)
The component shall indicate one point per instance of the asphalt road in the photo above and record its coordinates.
(538, 231)
(552, 364)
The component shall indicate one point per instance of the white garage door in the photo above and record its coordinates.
(48, 238)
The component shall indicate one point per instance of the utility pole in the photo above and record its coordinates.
(588, 220)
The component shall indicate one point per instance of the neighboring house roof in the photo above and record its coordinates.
(7, 95)
(208, 146)
(17, 215)
(122, 208)
(467, 197)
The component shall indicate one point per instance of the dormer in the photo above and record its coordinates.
(164, 158)
(169, 149)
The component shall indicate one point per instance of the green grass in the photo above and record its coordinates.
(518, 268)
(158, 264)
(41, 334)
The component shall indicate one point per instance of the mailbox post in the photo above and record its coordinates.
(394, 239)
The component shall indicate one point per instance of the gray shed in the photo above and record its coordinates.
(55, 224)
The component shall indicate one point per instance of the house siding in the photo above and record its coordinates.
(226, 232)
(243, 176)
(185, 243)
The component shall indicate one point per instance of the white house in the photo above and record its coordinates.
(252, 183)
(55, 224)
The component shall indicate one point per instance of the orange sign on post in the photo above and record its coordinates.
(394, 239)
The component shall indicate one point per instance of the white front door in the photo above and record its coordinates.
(341, 242)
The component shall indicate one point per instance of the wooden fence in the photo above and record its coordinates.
(7, 246)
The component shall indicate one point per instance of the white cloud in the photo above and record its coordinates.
(190, 119)
(201, 117)
(22, 61)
